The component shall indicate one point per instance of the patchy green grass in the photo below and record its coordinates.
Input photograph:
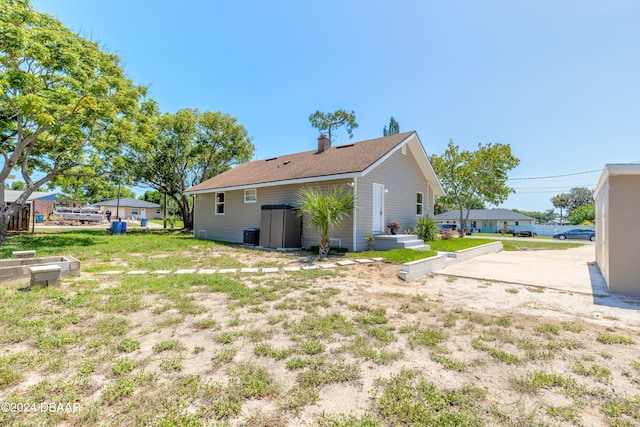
(519, 245)
(409, 399)
(457, 244)
(264, 350)
(396, 256)
(614, 339)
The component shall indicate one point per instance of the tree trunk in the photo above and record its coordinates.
(4, 225)
(185, 211)
(324, 245)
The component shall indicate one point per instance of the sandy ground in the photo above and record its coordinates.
(465, 308)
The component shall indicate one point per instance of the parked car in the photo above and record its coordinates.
(576, 233)
(524, 233)
(447, 227)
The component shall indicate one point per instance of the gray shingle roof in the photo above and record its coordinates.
(335, 160)
(127, 202)
(485, 215)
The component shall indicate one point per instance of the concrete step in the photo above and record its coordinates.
(421, 248)
(412, 243)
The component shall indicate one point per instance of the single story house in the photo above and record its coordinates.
(617, 203)
(488, 220)
(38, 202)
(128, 208)
(391, 178)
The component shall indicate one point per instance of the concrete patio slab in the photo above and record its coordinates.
(570, 270)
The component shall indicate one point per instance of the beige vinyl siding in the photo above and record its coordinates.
(240, 215)
(622, 241)
(402, 177)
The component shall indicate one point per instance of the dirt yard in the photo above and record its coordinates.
(353, 346)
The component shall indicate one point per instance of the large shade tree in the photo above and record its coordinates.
(472, 176)
(63, 101)
(186, 148)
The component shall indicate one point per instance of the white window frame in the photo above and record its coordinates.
(134, 211)
(222, 203)
(248, 192)
(420, 204)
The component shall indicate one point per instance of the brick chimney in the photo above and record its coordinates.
(323, 143)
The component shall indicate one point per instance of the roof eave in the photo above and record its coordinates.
(278, 183)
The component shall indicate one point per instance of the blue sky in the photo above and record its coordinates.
(557, 80)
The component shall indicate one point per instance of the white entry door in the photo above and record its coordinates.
(378, 208)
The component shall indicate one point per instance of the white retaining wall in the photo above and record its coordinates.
(416, 269)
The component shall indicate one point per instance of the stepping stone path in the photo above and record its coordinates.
(246, 270)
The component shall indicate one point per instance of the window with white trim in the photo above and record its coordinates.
(250, 195)
(219, 203)
(134, 211)
(419, 204)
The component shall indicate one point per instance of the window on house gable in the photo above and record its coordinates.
(419, 204)
(251, 195)
(219, 203)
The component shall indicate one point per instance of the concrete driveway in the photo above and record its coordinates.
(571, 270)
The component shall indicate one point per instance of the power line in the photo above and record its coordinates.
(559, 176)
(554, 176)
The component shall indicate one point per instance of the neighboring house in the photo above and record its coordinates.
(488, 220)
(391, 177)
(617, 203)
(127, 208)
(39, 202)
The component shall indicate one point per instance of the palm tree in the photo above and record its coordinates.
(325, 210)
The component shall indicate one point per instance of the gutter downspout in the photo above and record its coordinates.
(355, 216)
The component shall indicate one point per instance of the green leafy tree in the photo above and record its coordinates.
(541, 217)
(186, 148)
(442, 205)
(325, 210)
(63, 101)
(328, 122)
(17, 186)
(152, 197)
(86, 187)
(561, 201)
(394, 128)
(579, 196)
(468, 175)
(583, 215)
